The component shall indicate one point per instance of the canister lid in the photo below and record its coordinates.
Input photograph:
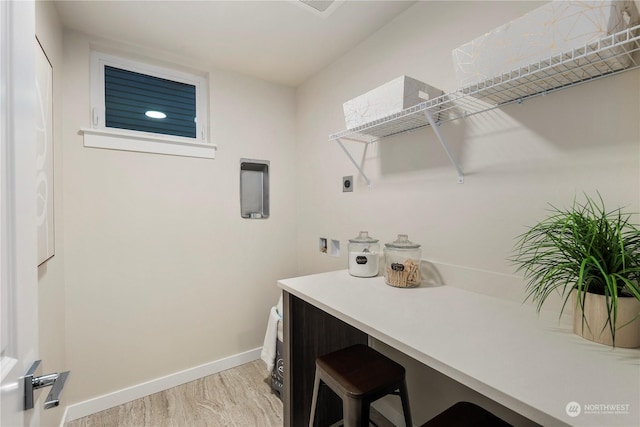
(363, 237)
(402, 242)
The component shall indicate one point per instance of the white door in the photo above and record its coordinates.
(18, 251)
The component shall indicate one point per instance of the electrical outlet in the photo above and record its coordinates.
(347, 183)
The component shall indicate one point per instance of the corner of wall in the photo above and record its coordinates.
(51, 278)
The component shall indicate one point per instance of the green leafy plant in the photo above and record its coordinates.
(584, 248)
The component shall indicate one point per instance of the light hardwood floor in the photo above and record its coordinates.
(236, 397)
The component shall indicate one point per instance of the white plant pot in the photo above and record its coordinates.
(595, 327)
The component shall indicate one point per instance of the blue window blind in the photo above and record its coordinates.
(129, 95)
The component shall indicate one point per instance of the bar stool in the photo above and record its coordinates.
(466, 414)
(359, 375)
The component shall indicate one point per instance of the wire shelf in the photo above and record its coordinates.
(607, 56)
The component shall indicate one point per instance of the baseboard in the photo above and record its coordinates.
(101, 403)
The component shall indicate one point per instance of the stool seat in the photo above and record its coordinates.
(360, 371)
(359, 375)
(466, 414)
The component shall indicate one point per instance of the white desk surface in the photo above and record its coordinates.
(502, 349)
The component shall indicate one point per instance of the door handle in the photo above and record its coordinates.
(32, 383)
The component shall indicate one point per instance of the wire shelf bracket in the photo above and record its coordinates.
(411, 119)
(364, 175)
(608, 56)
(443, 142)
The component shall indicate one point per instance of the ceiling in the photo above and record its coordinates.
(281, 41)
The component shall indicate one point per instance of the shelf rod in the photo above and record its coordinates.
(354, 162)
(436, 130)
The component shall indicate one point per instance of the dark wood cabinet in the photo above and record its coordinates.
(308, 333)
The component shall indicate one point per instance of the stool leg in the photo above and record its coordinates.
(314, 399)
(404, 397)
(355, 412)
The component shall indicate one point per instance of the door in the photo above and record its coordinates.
(18, 251)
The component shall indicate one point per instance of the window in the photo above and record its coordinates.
(146, 103)
(141, 107)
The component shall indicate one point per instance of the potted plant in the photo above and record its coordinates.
(591, 257)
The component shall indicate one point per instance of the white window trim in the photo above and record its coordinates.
(100, 136)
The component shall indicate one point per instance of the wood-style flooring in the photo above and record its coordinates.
(238, 397)
(235, 397)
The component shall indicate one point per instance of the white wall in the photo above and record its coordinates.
(159, 273)
(162, 273)
(516, 160)
(51, 291)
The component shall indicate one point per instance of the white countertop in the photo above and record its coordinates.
(502, 349)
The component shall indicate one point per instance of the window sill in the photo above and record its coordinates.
(114, 139)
